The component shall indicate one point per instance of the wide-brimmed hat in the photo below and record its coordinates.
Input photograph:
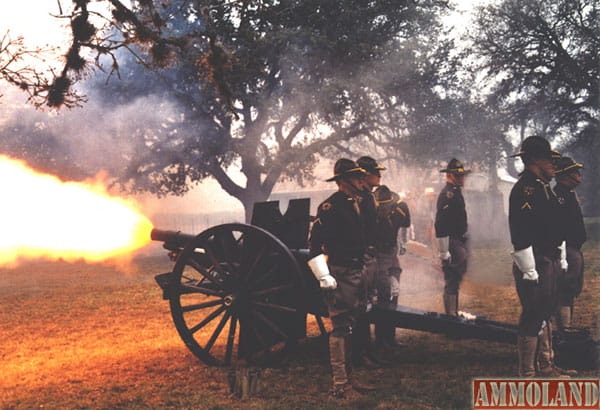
(536, 147)
(370, 165)
(564, 165)
(345, 167)
(455, 167)
(383, 194)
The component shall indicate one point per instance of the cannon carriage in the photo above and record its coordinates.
(237, 290)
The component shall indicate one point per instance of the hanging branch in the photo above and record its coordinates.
(143, 27)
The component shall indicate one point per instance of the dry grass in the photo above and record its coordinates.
(77, 336)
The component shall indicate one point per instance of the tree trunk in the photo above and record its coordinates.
(249, 198)
(589, 190)
(493, 176)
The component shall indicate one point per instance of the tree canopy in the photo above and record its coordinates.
(261, 86)
(251, 92)
(543, 62)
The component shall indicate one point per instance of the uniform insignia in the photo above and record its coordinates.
(326, 206)
(449, 194)
(561, 200)
(528, 191)
(526, 206)
(400, 211)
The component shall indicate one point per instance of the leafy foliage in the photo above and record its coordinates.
(15, 70)
(543, 57)
(261, 86)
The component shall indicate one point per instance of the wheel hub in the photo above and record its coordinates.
(228, 300)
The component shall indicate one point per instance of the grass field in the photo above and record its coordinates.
(78, 336)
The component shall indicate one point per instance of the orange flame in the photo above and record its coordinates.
(42, 216)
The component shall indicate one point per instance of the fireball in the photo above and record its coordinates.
(44, 217)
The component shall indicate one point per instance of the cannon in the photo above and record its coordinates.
(237, 290)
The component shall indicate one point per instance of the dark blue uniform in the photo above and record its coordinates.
(338, 233)
(451, 220)
(534, 221)
(571, 282)
(367, 206)
(392, 215)
(368, 211)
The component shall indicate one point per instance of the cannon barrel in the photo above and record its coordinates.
(173, 240)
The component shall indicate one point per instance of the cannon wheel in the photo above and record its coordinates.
(238, 291)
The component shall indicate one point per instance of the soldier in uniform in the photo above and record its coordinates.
(536, 235)
(568, 177)
(337, 247)
(451, 233)
(363, 354)
(393, 217)
(371, 180)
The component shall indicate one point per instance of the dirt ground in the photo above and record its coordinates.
(79, 336)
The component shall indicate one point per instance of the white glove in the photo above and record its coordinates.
(319, 268)
(564, 265)
(443, 247)
(394, 287)
(403, 241)
(404, 234)
(525, 261)
(401, 249)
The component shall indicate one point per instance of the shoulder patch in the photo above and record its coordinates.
(449, 194)
(326, 206)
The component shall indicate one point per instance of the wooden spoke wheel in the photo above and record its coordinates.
(237, 290)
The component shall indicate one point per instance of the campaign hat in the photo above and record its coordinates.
(383, 194)
(455, 167)
(564, 165)
(536, 147)
(370, 165)
(345, 167)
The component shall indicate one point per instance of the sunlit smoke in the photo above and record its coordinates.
(44, 217)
